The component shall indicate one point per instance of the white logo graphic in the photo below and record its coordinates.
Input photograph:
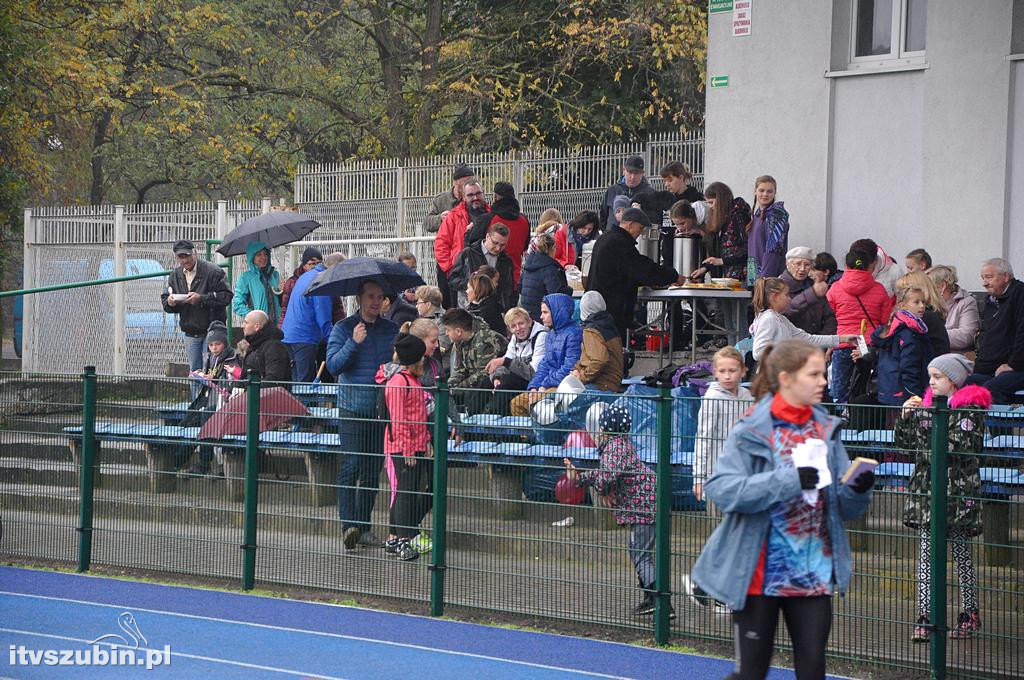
(111, 649)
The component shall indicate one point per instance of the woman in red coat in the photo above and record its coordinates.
(861, 305)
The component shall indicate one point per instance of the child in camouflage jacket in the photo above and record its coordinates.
(947, 375)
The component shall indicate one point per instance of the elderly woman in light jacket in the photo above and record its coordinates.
(962, 320)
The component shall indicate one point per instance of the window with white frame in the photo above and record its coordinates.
(888, 30)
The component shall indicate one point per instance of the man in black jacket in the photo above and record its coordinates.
(490, 250)
(267, 354)
(1000, 362)
(617, 269)
(633, 185)
(198, 293)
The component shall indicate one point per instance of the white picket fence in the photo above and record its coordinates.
(373, 208)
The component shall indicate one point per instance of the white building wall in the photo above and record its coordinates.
(919, 158)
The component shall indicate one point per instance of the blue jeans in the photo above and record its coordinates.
(194, 350)
(641, 552)
(1003, 387)
(842, 371)
(362, 444)
(303, 356)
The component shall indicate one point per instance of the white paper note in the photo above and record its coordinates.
(813, 453)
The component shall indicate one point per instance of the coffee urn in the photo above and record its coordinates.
(686, 253)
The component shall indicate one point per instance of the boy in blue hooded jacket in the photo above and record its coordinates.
(562, 351)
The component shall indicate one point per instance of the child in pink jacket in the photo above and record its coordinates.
(407, 446)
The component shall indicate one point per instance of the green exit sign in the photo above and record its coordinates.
(719, 81)
(716, 6)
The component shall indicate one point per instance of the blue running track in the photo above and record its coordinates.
(230, 635)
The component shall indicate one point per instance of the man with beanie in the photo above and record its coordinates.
(307, 325)
(617, 269)
(808, 308)
(1000, 360)
(311, 257)
(440, 207)
(633, 185)
(504, 210)
(600, 365)
(198, 293)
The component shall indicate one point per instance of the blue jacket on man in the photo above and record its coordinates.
(308, 320)
(746, 484)
(356, 364)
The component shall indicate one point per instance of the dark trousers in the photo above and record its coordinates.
(413, 501)
(303, 356)
(808, 620)
(1003, 387)
(362, 443)
(641, 552)
(442, 283)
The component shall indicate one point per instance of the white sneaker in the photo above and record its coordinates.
(567, 522)
(700, 598)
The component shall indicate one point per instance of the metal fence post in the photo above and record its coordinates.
(939, 518)
(663, 521)
(252, 468)
(28, 309)
(120, 269)
(86, 475)
(400, 196)
(437, 556)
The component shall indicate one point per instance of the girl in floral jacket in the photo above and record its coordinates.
(946, 376)
(627, 485)
(726, 239)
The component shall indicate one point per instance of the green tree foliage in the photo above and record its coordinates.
(146, 100)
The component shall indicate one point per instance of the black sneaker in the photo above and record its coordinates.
(646, 607)
(406, 552)
(391, 546)
(369, 539)
(350, 538)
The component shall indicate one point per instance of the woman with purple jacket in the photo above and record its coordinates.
(768, 238)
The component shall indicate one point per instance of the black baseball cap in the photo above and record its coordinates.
(635, 215)
(635, 163)
(183, 247)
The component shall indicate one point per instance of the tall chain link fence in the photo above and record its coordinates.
(373, 208)
(505, 539)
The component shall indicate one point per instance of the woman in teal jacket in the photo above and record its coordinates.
(260, 287)
(777, 548)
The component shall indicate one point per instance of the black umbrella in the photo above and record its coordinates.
(345, 277)
(273, 229)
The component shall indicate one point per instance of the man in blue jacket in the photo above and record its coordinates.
(359, 344)
(307, 324)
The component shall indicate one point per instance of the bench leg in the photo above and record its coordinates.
(322, 470)
(507, 485)
(995, 519)
(76, 457)
(161, 460)
(234, 474)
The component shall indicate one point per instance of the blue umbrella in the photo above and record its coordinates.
(345, 277)
(273, 229)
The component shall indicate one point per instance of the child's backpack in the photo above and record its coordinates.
(382, 412)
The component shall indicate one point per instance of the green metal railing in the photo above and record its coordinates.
(493, 549)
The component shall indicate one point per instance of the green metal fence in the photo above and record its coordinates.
(500, 539)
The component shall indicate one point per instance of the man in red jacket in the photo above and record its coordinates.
(451, 235)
